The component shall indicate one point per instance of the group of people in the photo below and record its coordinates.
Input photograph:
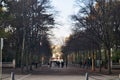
(87, 63)
(60, 64)
(57, 63)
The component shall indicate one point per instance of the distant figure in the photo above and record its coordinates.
(80, 63)
(50, 63)
(62, 64)
(36, 64)
(89, 62)
(58, 63)
(84, 64)
(66, 64)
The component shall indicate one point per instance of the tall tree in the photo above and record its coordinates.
(99, 20)
(31, 21)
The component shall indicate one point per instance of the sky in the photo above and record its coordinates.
(65, 9)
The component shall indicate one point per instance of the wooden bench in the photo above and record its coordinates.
(115, 66)
(8, 64)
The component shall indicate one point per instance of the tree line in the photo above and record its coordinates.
(25, 27)
(97, 28)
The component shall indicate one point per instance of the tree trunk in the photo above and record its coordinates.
(66, 61)
(93, 61)
(30, 58)
(27, 61)
(22, 54)
(100, 60)
(17, 56)
(109, 61)
(106, 60)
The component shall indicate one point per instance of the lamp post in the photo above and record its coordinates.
(24, 33)
(1, 47)
(3, 9)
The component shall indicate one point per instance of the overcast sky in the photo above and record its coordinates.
(65, 8)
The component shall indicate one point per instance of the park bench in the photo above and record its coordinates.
(115, 66)
(8, 64)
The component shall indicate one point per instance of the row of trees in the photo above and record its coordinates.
(97, 27)
(27, 22)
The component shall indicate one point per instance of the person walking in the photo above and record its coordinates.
(66, 64)
(62, 64)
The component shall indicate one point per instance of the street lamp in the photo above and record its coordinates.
(3, 9)
(1, 47)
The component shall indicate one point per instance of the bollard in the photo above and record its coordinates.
(12, 76)
(86, 76)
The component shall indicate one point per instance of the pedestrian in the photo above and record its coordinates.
(80, 63)
(50, 63)
(62, 64)
(66, 63)
(58, 63)
(84, 64)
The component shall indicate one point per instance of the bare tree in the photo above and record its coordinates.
(99, 21)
